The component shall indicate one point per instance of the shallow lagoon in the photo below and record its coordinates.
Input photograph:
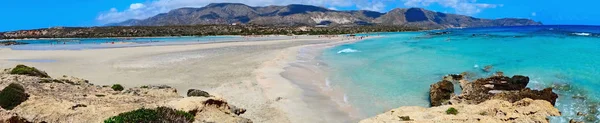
(396, 70)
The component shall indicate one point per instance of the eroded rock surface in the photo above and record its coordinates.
(491, 111)
(74, 100)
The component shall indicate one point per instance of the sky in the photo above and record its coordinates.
(32, 14)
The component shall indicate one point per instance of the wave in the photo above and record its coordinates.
(581, 34)
(347, 50)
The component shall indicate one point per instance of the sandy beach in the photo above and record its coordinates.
(248, 73)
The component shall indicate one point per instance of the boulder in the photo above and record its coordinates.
(197, 93)
(440, 92)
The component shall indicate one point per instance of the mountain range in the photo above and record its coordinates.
(296, 14)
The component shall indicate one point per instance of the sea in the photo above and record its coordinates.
(396, 69)
(119, 42)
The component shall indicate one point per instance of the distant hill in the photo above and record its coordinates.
(307, 15)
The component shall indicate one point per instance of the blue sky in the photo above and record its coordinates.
(31, 14)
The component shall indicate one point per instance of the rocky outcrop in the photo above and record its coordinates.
(501, 87)
(440, 92)
(74, 100)
(494, 99)
(491, 111)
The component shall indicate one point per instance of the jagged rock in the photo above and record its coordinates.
(12, 95)
(513, 96)
(440, 92)
(197, 93)
(501, 87)
(491, 111)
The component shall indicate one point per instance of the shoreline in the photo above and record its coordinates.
(299, 68)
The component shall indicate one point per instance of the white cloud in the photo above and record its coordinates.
(373, 6)
(467, 7)
(154, 7)
(533, 14)
(136, 6)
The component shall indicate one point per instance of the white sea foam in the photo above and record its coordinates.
(327, 83)
(582, 34)
(476, 66)
(347, 50)
(345, 98)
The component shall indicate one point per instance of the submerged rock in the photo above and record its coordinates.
(440, 92)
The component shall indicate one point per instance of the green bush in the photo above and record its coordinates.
(117, 87)
(12, 95)
(145, 86)
(29, 71)
(158, 115)
(452, 111)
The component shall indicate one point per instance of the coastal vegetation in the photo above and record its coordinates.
(12, 95)
(29, 71)
(158, 115)
(452, 111)
(117, 87)
(195, 30)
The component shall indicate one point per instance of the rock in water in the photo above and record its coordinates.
(12, 95)
(440, 92)
(197, 93)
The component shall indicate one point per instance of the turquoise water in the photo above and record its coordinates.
(96, 43)
(396, 70)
